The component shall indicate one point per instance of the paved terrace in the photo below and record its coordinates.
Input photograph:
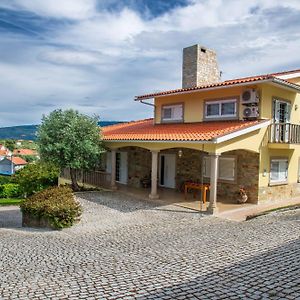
(130, 249)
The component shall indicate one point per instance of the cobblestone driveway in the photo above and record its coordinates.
(129, 249)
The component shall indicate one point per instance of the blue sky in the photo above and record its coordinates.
(96, 55)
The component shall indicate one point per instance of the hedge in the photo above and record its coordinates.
(10, 190)
(56, 204)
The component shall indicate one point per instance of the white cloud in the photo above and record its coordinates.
(71, 9)
(100, 60)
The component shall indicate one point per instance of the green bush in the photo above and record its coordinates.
(57, 204)
(4, 179)
(36, 177)
(10, 190)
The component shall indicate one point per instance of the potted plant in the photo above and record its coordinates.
(243, 197)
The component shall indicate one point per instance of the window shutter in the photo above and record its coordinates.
(206, 166)
(276, 111)
(177, 112)
(227, 168)
(288, 113)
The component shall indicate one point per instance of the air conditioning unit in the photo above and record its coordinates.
(250, 112)
(250, 96)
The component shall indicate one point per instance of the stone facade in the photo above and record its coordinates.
(247, 176)
(139, 165)
(279, 192)
(189, 166)
(199, 66)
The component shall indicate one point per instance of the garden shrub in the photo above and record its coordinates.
(36, 177)
(56, 204)
(4, 179)
(10, 190)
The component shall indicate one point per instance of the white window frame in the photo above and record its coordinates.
(172, 107)
(279, 180)
(219, 115)
(206, 168)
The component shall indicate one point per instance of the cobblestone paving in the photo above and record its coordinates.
(128, 249)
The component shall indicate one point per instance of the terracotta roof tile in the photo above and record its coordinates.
(17, 160)
(24, 152)
(146, 130)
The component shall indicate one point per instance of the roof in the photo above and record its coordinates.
(17, 160)
(146, 130)
(274, 77)
(24, 152)
(4, 152)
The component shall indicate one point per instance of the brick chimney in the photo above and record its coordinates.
(199, 66)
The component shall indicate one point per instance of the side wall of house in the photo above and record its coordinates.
(284, 191)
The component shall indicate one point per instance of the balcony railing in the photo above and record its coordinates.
(92, 177)
(285, 133)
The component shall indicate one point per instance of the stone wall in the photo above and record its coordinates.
(279, 192)
(139, 165)
(199, 66)
(247, 176)
(189, 166)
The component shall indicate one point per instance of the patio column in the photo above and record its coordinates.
(113, 185)
(214, 162)
(154, 169)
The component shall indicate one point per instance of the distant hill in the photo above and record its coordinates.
(27, 132)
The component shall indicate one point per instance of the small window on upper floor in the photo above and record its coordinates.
(221, 109)
(172, 113)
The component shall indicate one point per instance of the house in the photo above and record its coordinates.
(10, 164)
(229, 134)
(4, 152)
(25, 152)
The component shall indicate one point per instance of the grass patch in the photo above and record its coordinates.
(10, 201)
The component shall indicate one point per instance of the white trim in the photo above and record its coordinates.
(220, 102)
(289, 76)
(241, 132)
(279, 181)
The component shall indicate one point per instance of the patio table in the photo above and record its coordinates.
(204, 187)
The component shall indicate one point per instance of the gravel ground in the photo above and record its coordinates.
(126, 248)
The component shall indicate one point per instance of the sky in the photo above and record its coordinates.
(96, 55)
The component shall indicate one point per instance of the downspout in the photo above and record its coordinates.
(150, 104)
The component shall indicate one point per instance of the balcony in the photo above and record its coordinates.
(284, 133)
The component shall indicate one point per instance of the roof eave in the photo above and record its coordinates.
(281, 82)
(158, 95)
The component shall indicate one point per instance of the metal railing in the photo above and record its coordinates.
(286, 133)
(91, 177)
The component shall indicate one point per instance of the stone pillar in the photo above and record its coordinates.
(214, 162)
(154, 169)
(113, 170)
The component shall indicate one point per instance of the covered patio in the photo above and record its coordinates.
(222, 173)
(173, 197)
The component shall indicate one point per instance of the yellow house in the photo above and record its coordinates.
(241, 133)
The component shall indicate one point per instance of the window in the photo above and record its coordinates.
(220, 109)
(226, 170)
(172, 112)
(279, 170)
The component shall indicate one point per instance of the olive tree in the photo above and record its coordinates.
(70, 139)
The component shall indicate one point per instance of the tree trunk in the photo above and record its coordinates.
(75, 185)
